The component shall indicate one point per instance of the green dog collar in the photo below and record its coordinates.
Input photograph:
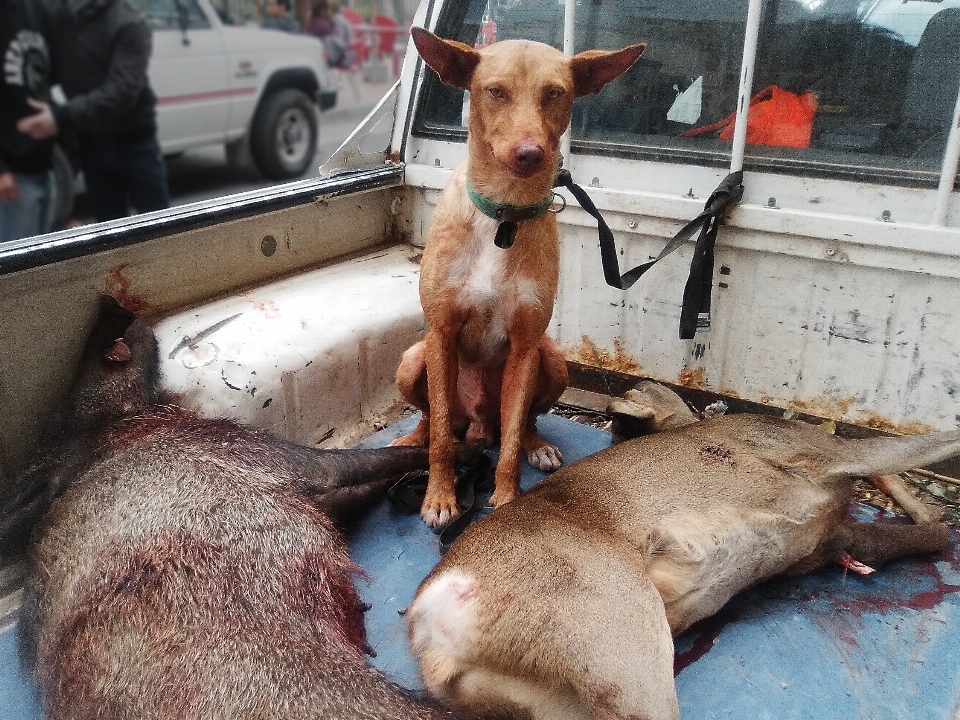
(504, 212)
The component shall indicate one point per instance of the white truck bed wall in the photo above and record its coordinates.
(843, 317)
(311, 357)
(181, 262)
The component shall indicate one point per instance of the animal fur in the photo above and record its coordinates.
(485, 368)
(186, 568)
(563, 604)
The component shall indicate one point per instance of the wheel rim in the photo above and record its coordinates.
(293, 138)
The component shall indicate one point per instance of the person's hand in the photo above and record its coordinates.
(41, 124)
(9, 192)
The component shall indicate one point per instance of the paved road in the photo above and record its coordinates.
(203, 173)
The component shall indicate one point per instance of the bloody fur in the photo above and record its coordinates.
(181, 567)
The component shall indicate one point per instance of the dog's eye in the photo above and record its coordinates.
(551, 94)
(496, 92)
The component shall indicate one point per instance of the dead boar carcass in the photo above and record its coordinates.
(191, 568)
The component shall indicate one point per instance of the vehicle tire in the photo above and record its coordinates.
(64, 191)
(284, 135)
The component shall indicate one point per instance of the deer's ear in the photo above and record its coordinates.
(453, 61)
(595, 68)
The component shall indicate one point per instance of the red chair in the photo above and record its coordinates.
(352, 15)
(361, 39)
(388, 31)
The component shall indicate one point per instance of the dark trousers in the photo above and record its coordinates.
(119, 176)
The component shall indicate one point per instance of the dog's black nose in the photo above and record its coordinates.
(528, 156)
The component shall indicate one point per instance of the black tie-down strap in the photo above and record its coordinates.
(474, 486)
(695, 313)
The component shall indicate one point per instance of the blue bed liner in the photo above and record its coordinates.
(827, 645)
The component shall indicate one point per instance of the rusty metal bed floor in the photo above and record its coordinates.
(828, 645)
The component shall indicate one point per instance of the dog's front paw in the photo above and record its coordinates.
(439, 508)
(547, 458)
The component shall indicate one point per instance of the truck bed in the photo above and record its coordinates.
(829, 645)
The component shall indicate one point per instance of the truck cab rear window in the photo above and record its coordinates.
(849, 87)
(166, 14)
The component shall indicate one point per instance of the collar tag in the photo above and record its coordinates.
(506, 234)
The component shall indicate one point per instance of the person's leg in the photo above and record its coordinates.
(30, 214)
(48, 203)
(105, 181)
(146, 173)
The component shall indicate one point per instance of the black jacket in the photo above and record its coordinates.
(26, 73)
(100, 50)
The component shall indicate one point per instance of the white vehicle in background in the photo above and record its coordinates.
(243, 87)
(254, 91)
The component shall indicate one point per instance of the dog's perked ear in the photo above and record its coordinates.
(593, 69)
(454, 61)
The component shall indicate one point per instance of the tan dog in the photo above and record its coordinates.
(485, 367)
(563, 603)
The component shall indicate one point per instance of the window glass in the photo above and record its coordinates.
(165, 14)
(864, 87)
(689, 73)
